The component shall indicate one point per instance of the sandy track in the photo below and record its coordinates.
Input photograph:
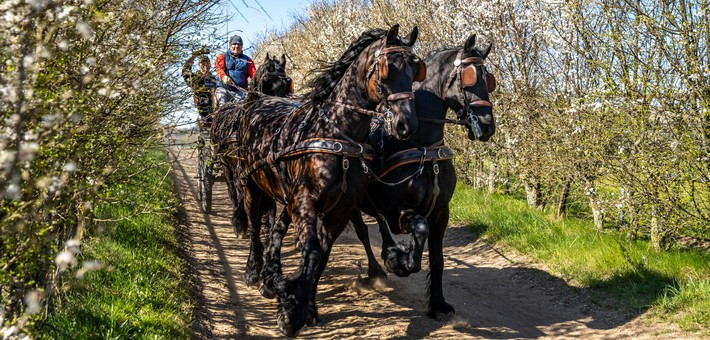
(494, 297)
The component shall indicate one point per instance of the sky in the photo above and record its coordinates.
(261, 15)
(279, 16)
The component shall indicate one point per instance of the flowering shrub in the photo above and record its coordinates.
(83, 88)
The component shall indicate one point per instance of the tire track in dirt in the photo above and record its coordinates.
(494, 297)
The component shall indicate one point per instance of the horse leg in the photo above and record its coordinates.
(374, 270)
(294, 293)
(272, 267)
(253, 200)
(387, 240)
(327, 239)
(437, 303)
(236, 195)
(404, 260)
(268, 214)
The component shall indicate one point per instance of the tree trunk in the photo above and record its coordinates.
(533, 193)
(492, 174)
(597, 212)
(506, 186)
(564, 196)
(658, 234)
(478, 177)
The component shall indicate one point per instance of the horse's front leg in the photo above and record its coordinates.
(272, 267)
(374, 270)
(437, 303)
(404, 260)
(294, 294)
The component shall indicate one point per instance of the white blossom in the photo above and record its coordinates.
(65, 259)
(84, 29)
(39, 4)
(33, 301)
(63, 44)
(70, 166)
(88, 266)
(73, 245)
(28, 60)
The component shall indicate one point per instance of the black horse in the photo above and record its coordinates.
(417, 176)
(270, 79)
(301, 155)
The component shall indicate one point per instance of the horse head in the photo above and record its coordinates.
(271, 78)
(468, 87)
(393, 67)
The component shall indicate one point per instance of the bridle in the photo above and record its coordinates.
(275, 74)
(465, 74)
(378, 71)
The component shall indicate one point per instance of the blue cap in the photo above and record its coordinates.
(235, 39)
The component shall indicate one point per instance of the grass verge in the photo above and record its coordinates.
(674, 284)
(140, 291)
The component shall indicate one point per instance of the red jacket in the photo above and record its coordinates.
(220, 67)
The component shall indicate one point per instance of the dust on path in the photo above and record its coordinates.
(493, 296)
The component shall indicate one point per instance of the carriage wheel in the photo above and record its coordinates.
(206, 187)
(204, 176)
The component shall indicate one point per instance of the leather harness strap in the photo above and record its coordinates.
(314, 145)
(410, 156)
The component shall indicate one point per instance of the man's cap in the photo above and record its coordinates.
(204, 58)
(235, 39)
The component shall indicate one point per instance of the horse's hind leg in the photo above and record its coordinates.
(272, 266)
(437, 303)
(236, 194)
(253, 200)
(374, 270)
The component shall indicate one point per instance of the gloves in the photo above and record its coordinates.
(227, 80)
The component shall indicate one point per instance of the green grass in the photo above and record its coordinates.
(674, 284)
(140, 292)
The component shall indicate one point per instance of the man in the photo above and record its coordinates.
(233, 68)
(202, 83)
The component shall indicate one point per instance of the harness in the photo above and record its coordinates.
(464, 72)
(344, 145)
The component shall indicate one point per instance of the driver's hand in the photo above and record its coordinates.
(227, 80)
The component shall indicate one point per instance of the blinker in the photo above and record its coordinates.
(469, 76)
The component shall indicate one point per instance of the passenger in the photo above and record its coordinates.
(233, 68)
(202, 83)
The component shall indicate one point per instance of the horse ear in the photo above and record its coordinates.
(392, 35)
(412, 37)
(469, 45)
(283, 61)
(488, 50)
(267, 58)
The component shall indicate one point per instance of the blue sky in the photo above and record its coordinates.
(279, 16)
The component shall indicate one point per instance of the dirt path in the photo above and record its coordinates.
(493, 297)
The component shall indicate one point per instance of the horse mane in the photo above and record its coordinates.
(479, 52)
(331, 73)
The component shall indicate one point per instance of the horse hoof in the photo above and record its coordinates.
(438, 309)
(251, 279)
(376, 273)
(266, 292)
(285, 327)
